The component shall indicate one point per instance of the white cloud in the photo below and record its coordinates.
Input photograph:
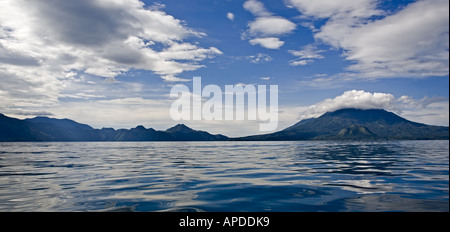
(412, 42)
(306, 55)
(300, 62)
(230, 16)
(432, 111)
(266, 29)
(81, 96)
(436, 113)
(43, 42)
(172, 78)
(259, 58)
(256, 8)
(157, 6)
(351, 99)
(269, 43)
(308, 52)
(271, 26)
(187, 51)
(333, 8)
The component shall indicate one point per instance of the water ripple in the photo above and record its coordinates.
(225, 176)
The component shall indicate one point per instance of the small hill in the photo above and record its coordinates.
(354, 133)
(184, 133)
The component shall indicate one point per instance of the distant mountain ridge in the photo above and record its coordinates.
(66, 130)
(357, 124)
(344, 124)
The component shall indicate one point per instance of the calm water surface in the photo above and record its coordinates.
(225, 176)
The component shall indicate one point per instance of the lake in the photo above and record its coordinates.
(329, 176)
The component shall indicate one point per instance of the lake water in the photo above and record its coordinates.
(225, 176)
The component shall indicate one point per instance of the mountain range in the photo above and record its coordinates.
(50, 129)
(344, 124)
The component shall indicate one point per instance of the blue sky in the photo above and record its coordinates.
(112, 63)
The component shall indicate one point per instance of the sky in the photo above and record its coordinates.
(113, 63)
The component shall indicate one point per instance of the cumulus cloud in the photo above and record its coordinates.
(412, 42)
(266, 29)
(257, 8)
(270, 26)
(269, 43)
(351, 99)
(427, 110)
(41, 42)
(230, 16)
